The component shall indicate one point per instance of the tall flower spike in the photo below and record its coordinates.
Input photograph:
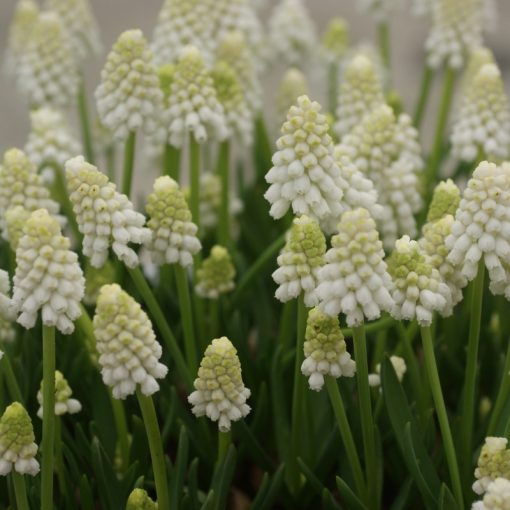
(493, 462)
(21, 185)
(79, 21)
(220, 393)
(497, 496)
(418, 290)
(17, 442)
(456, 30)
(216, 274)
(105, 217)
(47, 72)
(140, 500)
(192, 103)
(128, 97)
(173, 234)
(48, 276)
(325, 350)
(305, 174)
(445, 200)
(128, 350)
(399, 365)
(483, 121)
(355, 280)
(292, 86)
(292, 34)
(300, 261)
(64, 404)
(335, 39)
(381, 10)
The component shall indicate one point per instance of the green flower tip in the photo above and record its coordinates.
(95, 278)
(130, 44)
(166, 78)
(64, 404)
(15, 219)
(306, 238)
(445, 200)
(140, 500)
(226, 81)
(407, 258)
(336, 37)
(216, 274)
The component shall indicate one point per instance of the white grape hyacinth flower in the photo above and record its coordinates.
(399, 365)
(129, 352)
(497, 496)
(48, 276)
(7, 311)
(493, 462)
(105, 217)
(64, 404)
(220, 393)
(355, 281)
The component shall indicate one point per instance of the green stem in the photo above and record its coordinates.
(346, 433)
(194, 175)
(262, 147)
(373, 327)
(59, 461)
(150, 421)
(10, 379)
(503, 394)
(224, 440)
(426, 82)
(48, 433)
(333, 86)
(442, 416)
(129, 161)
(172, 162)
(383, 37)
(190, 345)
(20, 490)
(161, 323)
(119, 416)
(214, 317)
(110, 162)
(85, 123)
(224, 212)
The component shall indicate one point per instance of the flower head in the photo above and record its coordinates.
(477, 58)
(128, 97)
(7, 312)
(105, 217)
(493, 462)
(355, 280)
(497, 496)
(325, 350)
(15, 219)
(399, 365)
(48, 276)
(17, 442)
(128, 350)
(140, 500)
(335, 39)
(445, 200)
(216, 274)
(173, 234)
(220, 393)
(64, 404)
(300, 261)
(292, 86)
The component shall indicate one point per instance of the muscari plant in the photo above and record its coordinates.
(313, 315)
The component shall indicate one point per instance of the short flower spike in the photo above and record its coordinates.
(129, 352)
(17, 442)
(140, 500)
(216, 274)
(64, 404)
(445, 200)
(399, 365)
(220, 392)
(325, 350)
(497, 496)
(493, 462)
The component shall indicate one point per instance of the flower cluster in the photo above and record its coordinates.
(220, 393)
(399, 365)
(216, 274)
(15, 219)
(493, 462)
(335, 40)
(7, 315)
(300, 261)
(105, 217)
(445, 201)
(497, 496)
(64, 404)
(292, 86)
(140, 500)
(128, 350)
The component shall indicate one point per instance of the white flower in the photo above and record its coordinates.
(128, 97)
(48, 276)
(381, 10)
(335, 40)
(128, 350)
(7, 312)
(293, 85)
(497, 496)
(64, 404)
(355, 280)
(216, 274)
(173, 234)
(15, 219)
(305, 174)
(17, 442)
(300, 261)
(493, 462)
(399, 365)
(325, 350)
(483, 121)
(220, 392)
(105, 217)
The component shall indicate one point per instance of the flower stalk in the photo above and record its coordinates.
(83, 113)
(224, 213)
(129, 160)
(20, 490)
(194, 172)
(172, 162)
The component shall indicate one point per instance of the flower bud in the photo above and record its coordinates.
(140, 500)
(497, 496)
(64, 404)
(216, 274)
(445, 200)
(493, 462)
(399, 365)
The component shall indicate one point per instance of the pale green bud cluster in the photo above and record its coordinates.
(216, 274)
(220, 392)
(335, 39)
(399, 365)
(95, 278)
(325, 350)
(445, 200)
(15, 219)
(17, 442)
(497, 496)
(140, 500)
(293, 85)
(64, 404)
(493, 462)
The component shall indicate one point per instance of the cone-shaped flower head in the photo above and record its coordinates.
(477, 58)
(456, 30)
(483, 119)
(497, 496)
(419, 290)
(445, 200)
(238, 115)
(17, 442)
(381, 10)
(292, 86)
(325, 350)
(47, 72)
(173, 234)
(360, 92)
(493, 462)
(50, 140)
(79, 21)
(128, 350)
(482, 226)
(399, 365)
(128, 97)
(192, 105)
(140, 500)
(220, 392)
(335, 39)
(216, 274)
(355, 280)
(291, 32)
(300, 261)
(15, 219)
(305, 174)
(105, 217)
(48, 276)
(64, 403)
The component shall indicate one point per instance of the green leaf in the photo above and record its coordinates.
(193, 483)
(317, 485)
(209, 501)
(401, 501)
(181, 463)
(273, 490)
(353, 502)
(253, 446)
(86, 497)
(446, 500)
(222, 477)
(261, 492)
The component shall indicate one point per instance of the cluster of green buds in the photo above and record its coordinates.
(493, 462)
(140, 500)
(216, 274)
